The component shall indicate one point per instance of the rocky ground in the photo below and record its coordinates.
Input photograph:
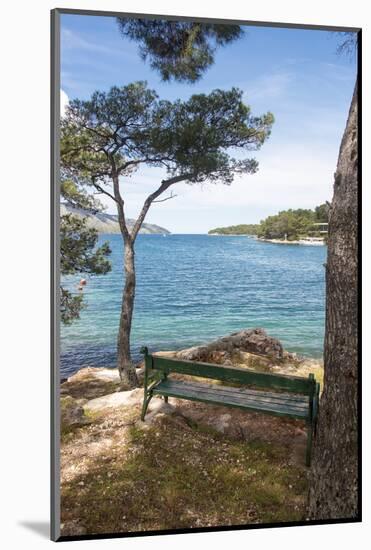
(189, 464)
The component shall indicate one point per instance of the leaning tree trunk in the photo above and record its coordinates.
(125, 366)
(333, 478)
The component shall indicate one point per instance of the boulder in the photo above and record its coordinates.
(255, 341)
(114, 400)
(157, 408)
(72, 412)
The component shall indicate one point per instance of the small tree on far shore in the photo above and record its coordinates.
(107, 137)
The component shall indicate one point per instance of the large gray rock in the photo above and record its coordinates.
(254, 341)
(72, 412)
(157, 409)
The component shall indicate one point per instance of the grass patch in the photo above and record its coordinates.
(90, 387)
(170, 476)
(94, 416)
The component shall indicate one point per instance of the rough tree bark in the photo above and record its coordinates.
(333, 478)
(125, 365)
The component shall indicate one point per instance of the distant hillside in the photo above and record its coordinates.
(242, 229)
(107, 223)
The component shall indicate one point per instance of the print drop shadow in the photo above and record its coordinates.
(41, 528)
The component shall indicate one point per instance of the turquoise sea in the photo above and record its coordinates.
(194, 288)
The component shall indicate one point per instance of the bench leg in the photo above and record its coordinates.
(309, 443)
(166, 398)
(145, 406)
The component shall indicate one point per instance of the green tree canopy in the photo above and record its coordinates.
(78, 251)
(290, 223)
(179, 50)
(293, 224)
(107, 137)
(322, 212)
(241, 229)
(116, 131)
(76, 195)
(77, 248)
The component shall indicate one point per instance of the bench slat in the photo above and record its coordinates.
(235, 398)
(299, 401)
(292, 384)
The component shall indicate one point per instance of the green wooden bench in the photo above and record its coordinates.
(289, 396)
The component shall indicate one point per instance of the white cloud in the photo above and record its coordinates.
(271, 86)
(290, 176)
(64, 102)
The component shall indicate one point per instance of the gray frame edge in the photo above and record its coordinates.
(305, 26)
(55, 274)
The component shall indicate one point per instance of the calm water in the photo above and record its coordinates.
(194, 288)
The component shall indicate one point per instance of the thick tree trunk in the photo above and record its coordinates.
(125, 365)
(333, 478)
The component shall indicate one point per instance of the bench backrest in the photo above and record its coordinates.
(293, 384)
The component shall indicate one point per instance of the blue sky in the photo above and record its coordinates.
(293, 73)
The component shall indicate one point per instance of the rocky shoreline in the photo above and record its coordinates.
(301, 242)
(253, 349)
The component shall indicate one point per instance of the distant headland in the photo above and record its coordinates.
(108, 223)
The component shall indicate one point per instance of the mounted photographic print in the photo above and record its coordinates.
(205, 197)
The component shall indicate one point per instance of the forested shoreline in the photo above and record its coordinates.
(287, 224)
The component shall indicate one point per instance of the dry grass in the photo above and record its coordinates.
(119, 475)
(86, 385)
